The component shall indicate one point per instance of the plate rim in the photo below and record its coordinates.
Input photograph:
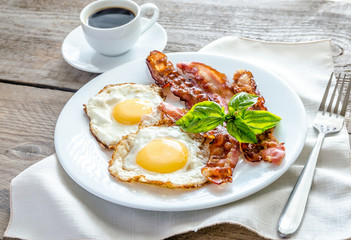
(224, 200)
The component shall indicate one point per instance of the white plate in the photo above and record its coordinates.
(86, 162)
(77, 52)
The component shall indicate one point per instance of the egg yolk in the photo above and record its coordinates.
(163, 156)
(129, 112)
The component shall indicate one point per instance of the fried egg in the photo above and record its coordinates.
(117, 110)
(161, 155)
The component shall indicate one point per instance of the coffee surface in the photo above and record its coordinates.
(110, 17)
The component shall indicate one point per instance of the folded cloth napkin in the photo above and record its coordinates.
(47, 204)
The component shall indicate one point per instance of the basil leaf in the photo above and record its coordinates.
(202, 117)
(241, 131)
(259, 121)
(241, 101)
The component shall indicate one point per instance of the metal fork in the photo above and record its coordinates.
(328, 120)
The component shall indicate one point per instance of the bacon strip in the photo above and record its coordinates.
(162, 71)
(196, 82)
(224, 155)
(164, 74)
(224, 149)
(244, 82)
(214, 83)
(267, 148)
(172, 112)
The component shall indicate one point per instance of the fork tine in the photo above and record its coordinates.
(346, 99)
(333, 95)
(322, 105)
(336, 108)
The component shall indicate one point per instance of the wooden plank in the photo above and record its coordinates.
(219, 232)
(32, 31)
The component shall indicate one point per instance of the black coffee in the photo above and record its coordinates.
(110, 17)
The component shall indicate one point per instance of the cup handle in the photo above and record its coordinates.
(153, 19)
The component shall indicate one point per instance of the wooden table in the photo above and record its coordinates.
(35, 81)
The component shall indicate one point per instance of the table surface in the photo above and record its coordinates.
(35, 81)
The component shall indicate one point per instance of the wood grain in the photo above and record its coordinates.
(35, 81)
(32, 31)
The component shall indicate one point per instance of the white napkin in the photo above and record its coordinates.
(47, 204)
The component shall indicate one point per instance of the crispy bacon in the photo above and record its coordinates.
(267, 148)
(274, 155)
(214, 83)
(196, 82)
(164, 74)
(224, 155)
(172, 112)
(244, 82)
(162, 71)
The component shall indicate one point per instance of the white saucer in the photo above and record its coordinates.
(77, 52)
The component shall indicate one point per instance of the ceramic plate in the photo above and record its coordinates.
(77, 52)
(86, 162)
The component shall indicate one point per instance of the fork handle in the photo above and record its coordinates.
(293, 212)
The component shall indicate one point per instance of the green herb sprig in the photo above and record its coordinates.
(241, 123)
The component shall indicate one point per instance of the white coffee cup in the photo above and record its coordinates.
(117, 40)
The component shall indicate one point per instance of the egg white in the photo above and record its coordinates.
(123, 164)
(99, 110)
